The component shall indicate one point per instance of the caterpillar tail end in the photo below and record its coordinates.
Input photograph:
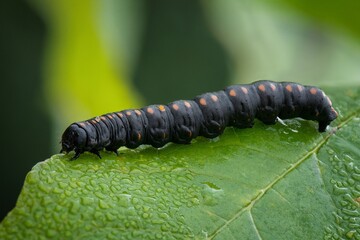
(323, 125)
(330, 116)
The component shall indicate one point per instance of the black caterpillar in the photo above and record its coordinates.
(207, 115)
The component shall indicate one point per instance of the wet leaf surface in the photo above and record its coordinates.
(269, 182)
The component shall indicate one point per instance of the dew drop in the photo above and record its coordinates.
(86, 201)
(164, 227)
(100, 195)
(146, 208)
(103, 204)
(62, 185)
(356, 176)
(177, 203)
(351, 181)
(350, 234)
(195, 201)
(348, 212)
(181, 179)
(330, 151)
(124, 200)
(163, 215)
(44, 188)
(57, 190)
(212, 186)
(211, 193)
(137, 171)
(342, 173)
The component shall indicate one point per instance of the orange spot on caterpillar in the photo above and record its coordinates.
(288, 88)
(110, 116)
(139, 136)
(93, 121)
(187, 104)
(262, 88)
(232, 93)
(273, 87)
(190, 133)
(203, 101)
(244, 89)
(300, 88)
(119, 114)
(97, 119)
(161, 108)
(138, 112)
(103, 118)
(150, 110)
(313, 91)
(214, 98)
(175, 107)
(82, 124)
(128, 113)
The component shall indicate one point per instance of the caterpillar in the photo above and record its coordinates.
(206, 115)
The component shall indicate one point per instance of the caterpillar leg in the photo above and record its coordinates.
(114, 150)
(96, 152)
(77, 154)
(323, 125)
(269, 121)
(267, 117)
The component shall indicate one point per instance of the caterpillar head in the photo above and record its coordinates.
(74, 138)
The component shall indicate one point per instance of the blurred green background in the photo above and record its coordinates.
(65, 61)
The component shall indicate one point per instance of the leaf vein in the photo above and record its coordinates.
(254, 224)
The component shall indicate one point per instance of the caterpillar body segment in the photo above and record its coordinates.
(206, 115)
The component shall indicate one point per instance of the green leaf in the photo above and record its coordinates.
(269, 182)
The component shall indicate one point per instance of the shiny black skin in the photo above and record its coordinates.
(183, 120)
